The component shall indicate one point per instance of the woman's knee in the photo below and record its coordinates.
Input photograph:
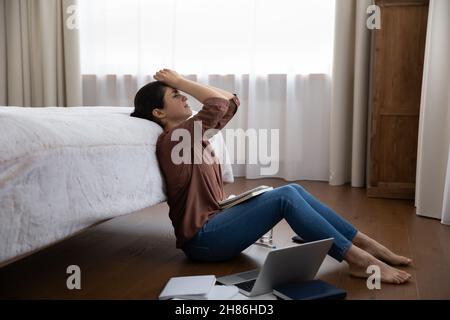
(297, 186)
(287, 192)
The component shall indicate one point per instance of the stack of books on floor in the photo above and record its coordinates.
(197, 288)
(309, 290)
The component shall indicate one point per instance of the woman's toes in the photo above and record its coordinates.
(405, 276)
(401, 272)
(404, 261)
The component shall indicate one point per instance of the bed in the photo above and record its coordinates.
(65, 169)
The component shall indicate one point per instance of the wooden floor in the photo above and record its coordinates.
(133, 256)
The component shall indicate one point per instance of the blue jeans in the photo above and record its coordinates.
(233, 230)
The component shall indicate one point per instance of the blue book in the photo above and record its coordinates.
(309, 290)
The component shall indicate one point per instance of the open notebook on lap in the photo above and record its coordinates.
(234, 200)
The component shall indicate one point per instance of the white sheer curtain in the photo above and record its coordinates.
(433, 156)
(275, 54)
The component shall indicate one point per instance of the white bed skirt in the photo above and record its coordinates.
(65, 169)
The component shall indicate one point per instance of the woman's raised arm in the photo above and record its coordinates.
(197, 90)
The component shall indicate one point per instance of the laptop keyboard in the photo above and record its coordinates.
(247, 285)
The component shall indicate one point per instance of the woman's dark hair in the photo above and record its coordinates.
(148, 98)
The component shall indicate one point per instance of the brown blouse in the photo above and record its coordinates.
(193, 188)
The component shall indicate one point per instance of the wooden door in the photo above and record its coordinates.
(397, 67)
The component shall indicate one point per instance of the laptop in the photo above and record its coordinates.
(293, 264)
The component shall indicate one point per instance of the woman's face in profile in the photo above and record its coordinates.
(175, 105)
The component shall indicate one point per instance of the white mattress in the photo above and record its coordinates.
(64, 169)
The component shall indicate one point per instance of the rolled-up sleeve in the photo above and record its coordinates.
(234, 104)
(212, 112)
(214, 115)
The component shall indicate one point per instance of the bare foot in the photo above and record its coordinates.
(379, 251)
(359, 260)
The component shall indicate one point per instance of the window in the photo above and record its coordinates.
(207, 36)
